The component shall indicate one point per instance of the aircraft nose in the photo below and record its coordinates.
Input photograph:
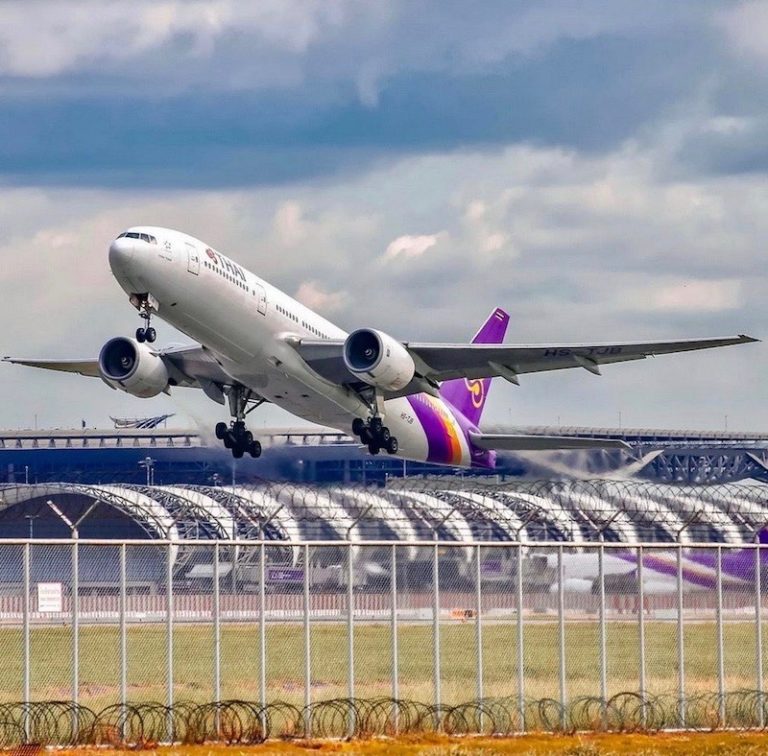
(121, 253)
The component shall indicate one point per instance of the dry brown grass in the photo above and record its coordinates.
(701, 744)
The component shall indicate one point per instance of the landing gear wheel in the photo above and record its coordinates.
(247, 439)
(221, 431)
(141, 335)
(384, 436)
(150, 335)
(366, 436)
(373, 448)
(238, 451)
(358, 426)
(392, 445)
(376, 425)
(229, 440)
(255, 449)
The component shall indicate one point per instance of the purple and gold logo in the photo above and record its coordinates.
(212, 255)
(476, 388)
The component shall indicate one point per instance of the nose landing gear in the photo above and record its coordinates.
(144, 304)
(375, 435)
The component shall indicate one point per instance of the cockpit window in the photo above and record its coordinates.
(135, 235)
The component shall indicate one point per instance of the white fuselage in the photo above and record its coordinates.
(246, 324)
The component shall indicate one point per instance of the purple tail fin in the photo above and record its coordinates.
(468, 395)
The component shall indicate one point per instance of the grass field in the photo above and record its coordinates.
(51, 668)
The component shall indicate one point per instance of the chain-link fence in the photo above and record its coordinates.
(345, 637)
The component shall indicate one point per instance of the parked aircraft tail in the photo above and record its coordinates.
(468, 395)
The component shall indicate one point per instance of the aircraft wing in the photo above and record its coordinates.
(188, 366)
(522, 442)
(443, 362)
(89, 368)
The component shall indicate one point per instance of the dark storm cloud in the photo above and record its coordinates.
(336, 105)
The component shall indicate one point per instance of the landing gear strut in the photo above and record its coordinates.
(146, 333)
(375, 435)
(236, 436)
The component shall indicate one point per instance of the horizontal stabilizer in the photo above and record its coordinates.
(521, 442)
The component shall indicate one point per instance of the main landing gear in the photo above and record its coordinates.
(375, 435)
(147, 333)
(235, 435)
(238, 438)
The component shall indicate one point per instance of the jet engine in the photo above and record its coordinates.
(132, 367)
(378, 359)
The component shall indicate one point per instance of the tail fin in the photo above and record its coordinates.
(468, 395)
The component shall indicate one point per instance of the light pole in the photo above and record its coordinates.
(26, 474)
(149, 464)
(31, 520)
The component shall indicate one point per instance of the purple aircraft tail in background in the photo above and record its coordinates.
(468, 395)
(699, 566)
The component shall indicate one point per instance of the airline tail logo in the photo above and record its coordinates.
(476, 389)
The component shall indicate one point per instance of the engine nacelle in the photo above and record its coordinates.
(132, 367)
(378, 359)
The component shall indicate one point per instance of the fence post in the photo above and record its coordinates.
(720, 640)
(520, 644)
(123, 641)
(262, 626)
(561, 632)
(350, 639)
(603, 639)
(75, 599)
(217, 626)
(479, 620)
(436, 630)
(26, 642)
(680, 639)
(393, 628)
(641, 629)
(169, 633)
(307, 651)
(759, 628)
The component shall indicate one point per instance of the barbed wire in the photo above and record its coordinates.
(66, 723)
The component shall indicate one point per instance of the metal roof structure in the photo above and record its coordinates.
(449, 509)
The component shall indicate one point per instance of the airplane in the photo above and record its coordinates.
(255, 344)
(698, 567)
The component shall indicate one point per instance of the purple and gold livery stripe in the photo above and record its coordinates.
(442, 432)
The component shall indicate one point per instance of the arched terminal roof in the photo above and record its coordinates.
(462, 511)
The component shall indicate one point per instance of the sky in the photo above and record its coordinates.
(598, 169)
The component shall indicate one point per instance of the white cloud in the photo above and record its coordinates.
(745, 24)
(686, 296)
(408, 246)
(314, 296)
(288, 225)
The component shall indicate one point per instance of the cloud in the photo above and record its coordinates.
(745, 24)
(409, 246)
(208, 93)
(311, 294)
(686, 296)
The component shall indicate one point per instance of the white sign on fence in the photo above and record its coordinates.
(49, 597)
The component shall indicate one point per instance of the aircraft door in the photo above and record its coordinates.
(166, 250)
(261, 299)
(193, 259)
